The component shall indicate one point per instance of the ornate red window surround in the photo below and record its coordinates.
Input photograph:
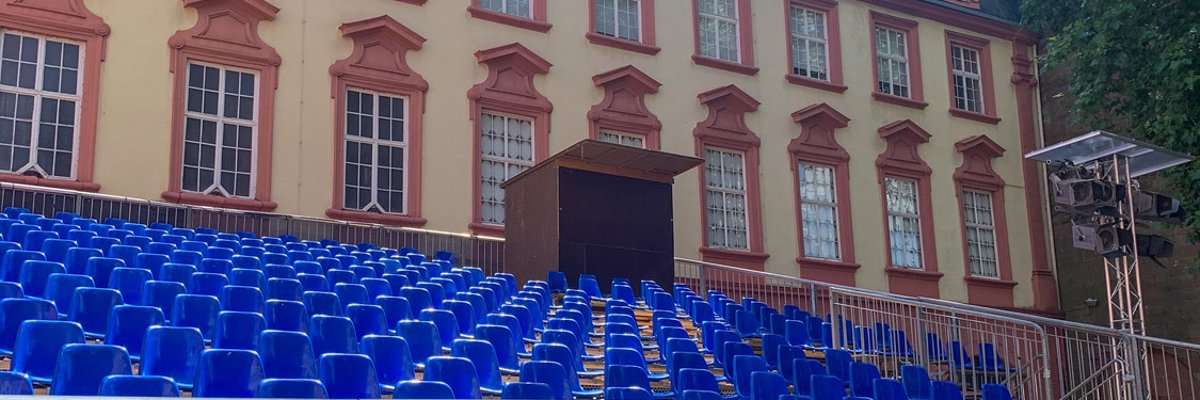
(745, 64)
(646, 27)
(817, 145)
(378, 63)
(916, 97)
(72, 20)
(976, 174)
(623, 108)
(537, 10)
(900, 159)
(988, 90)
(508, 89)
(833, 40)
(226, 33)
(725, 128)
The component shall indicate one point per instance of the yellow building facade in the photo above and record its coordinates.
(876, 143)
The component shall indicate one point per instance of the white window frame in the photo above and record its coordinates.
(831, 206)
(510, 7)
(716, 22)
(616, 19)
(506, 161)
(958, 64)
(971, 211)
(726, 229)
(221, 120)
(38, 93)
(605, 135)
(802, 38)
(911, 219)
(375, 142)
(892, 61)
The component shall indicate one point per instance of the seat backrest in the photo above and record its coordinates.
(837, 362)
(696, 379)
(198, 311)
(422, 390)
(287, 355)
(82, 367)
(887, 389)
(457, 372)
(744, 365)
(916, 382)
(291, 389)
(943, 390)
(331, 334)
(138, 386)
(549, 373)
(172, 352)
(766, 385)
(38, 345)
(862, 379)
(238, 330)
(91, 306)
(526, 390)
(349, 376)
(993, 391)
(393, 362)
(423, 339)
(127, 326)
(228, 373)
(483, 357)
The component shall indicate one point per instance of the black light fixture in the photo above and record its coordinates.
(1086, 195)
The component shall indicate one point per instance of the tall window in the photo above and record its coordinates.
(376, 146)
(219, 127)
(719, 29)
(968, 87)
(39, 104)
(506, 148)
(818, 212)
(725, 188)
(627, 139)
(619, 18)
(981, 233)
(810, 52)
(904, 222)
(518, 8)
(892, 55)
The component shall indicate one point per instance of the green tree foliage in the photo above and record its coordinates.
(1134, 69)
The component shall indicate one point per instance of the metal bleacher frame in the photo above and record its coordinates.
(1044, 358)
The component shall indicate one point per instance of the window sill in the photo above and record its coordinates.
(481, 229)
(974, 116)
(414, 2)
(989, 282)
(54, 183)
(738, 258)
(815, 83)
(510, 20)
(218, 201)
(724, 65)
(830, 265)
(917, 274)
(900, 101)
(622, 44)
(376, 218)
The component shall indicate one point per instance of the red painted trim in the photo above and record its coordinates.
(1045, 288)
(645, 46)
(725, 127)
(901, 159)
(378, 63)
(72, 20)
(976, 174)
(508, 89)
(226, 33)
(966, 3)
(957, 18)
(915, 88)
(984, 47)
(623, 107)
(537, 23)
(833, 44)
(745, 64)
(816, 144)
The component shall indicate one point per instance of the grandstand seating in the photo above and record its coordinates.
(212, 314)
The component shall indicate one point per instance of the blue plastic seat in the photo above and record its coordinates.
(695, 379)
(827, 387)
(242, 298)
(351, 294)
(743, 366)
(60, 289)
(862, 379)
(11, 290)
(100, 269)
(219, 254)
(14, 259)
(322, 303)
(308, 267)
(376, 287)
(562, 354)
(886, 389)
(238, 330)
(129, 281)
(802, 373)
(207, 283)
(247, 277)
(38, 343)
(287, 354)
(34, 239)
(313, 282)
(336, 276)
(770, 348)
(189, 253)
(125, 253)
(103, 243)
(548, 373)
(395, 308)
(423, 339)
(271, 388)
(161, 247)
(162, 294)
(993, 391)
(349, 376)
(767, 386)
(127, 325)
(215, 266)
(837, 362)
(457, 372)
(197, 311)
(731, 351)
(916, 382)
(362, 272)
(91, 307)
(527, 390)
(423, 390)
(138, 386)
(284, 289)
(483, 357)
(81, 368)
(557, 280)
(447, 324)
(172, 352)
(56, 249)
(390, 354)
(331, 334)
(943, 390)
(368, 320)
(279, 271)
(228, 373)
(624, 376)
(33, 275)
(501, 339)
(175, 272)
(77, 258)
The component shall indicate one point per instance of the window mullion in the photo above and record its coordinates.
(375, 149)
(217, 142)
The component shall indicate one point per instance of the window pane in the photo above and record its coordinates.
(725, 199)
(904, 229)
(506, 149)
(818, 212)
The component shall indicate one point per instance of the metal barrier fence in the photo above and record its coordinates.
(486, 253)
